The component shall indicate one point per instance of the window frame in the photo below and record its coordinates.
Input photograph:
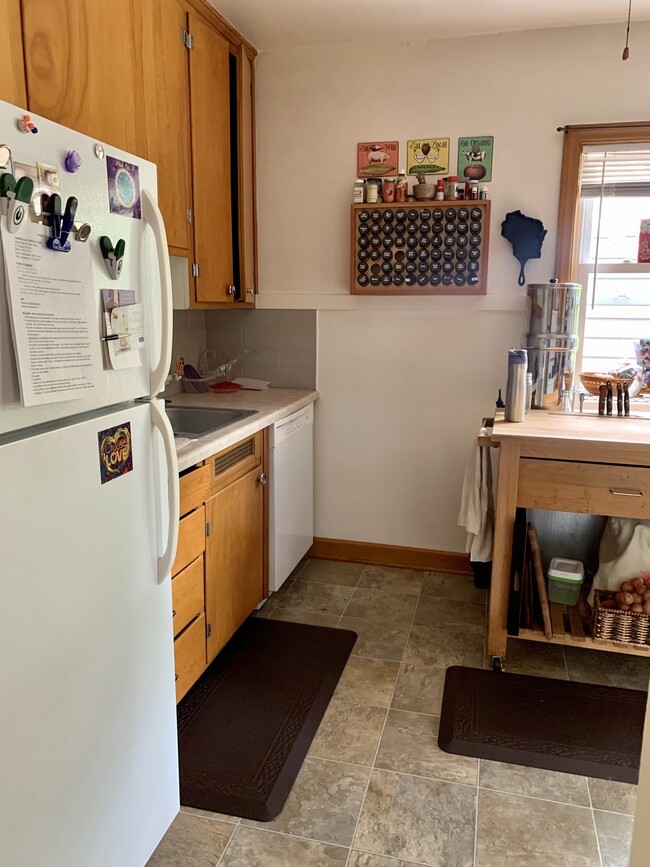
(575, 137)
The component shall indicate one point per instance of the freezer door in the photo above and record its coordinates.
(88, 749)
(145, 263)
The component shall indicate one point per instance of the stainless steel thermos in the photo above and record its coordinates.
(516, 385)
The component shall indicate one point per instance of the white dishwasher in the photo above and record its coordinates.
(291, 493)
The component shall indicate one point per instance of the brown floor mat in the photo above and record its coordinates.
(576, 728)
(245, 727)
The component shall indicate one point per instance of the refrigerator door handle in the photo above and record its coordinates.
(161, 422)
(151, 214)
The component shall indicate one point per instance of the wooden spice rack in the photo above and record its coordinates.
(420, 248)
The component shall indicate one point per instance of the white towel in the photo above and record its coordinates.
(477, 505)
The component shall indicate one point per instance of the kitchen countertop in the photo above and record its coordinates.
(271, 404)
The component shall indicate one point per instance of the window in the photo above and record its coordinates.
(605, 195)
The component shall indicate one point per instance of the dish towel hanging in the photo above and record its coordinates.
(476, 513)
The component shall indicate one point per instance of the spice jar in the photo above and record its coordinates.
(401, 186)
(389, 189)
(473, 190)
(450, 187)
(440, 190)
(359, 187)
(372, 192)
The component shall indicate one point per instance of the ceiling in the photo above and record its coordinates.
(272, 24)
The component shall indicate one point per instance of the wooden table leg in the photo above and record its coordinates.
(506, 505)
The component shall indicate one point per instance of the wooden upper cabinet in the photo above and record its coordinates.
(84, 64)
(210, 103)
(12, 68)
(167, 89)
(246, 142)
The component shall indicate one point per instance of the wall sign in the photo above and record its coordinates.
(428, 156)
(475, 158)
(115, 452)
(377, 158)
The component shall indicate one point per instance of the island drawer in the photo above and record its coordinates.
(191, 539)
(194, 488)
(588, 488)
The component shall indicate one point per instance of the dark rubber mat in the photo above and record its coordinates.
(576, 728)
(245, 727)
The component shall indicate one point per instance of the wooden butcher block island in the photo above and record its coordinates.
(590, 464)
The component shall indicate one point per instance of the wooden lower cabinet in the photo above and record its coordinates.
(189, 656)
(234, 557)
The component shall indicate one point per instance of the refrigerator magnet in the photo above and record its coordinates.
(14, 199)
(123, 188)
(113, 256)
(115, 452)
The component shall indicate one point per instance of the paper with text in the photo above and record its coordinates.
(52, 305)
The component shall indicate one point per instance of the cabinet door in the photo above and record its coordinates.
(167, 86)
(210, 102)
(233, 567)
(12, 62)
(246, 138)
(85, 68)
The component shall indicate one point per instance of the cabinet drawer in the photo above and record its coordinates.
(593, 489)
(194, 488)
(191, 539)
(189, 656)
(187, 595)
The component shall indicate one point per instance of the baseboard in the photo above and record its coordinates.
(391, 555)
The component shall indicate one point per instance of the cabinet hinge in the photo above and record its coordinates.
(208, 630)
(196, 269)
(187, 39)
(188, 215)
(208, 528)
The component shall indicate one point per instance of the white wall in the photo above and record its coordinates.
(404, 382)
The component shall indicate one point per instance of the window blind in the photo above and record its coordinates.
(621, 171)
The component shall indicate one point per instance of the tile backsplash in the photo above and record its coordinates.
(189, 336)
(281, 344)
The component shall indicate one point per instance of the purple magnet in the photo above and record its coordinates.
(72, 162)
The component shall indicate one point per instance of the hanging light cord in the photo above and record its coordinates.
(626, 50)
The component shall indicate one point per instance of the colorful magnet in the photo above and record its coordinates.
(72, 162)
(61, 226)
(115, 452)
(25, 124)
(113, 256)
(123, 188)
(15, 198)
(5, 156)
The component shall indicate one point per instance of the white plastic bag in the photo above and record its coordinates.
(624, 553)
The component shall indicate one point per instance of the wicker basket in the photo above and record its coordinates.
(627, 627)
(593, 381)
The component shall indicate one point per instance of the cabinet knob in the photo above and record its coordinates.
(231, 289)
(263, 479)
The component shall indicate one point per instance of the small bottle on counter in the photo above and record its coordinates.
(359, 189)
(626, 399)
(440, 190)
(473, 190)
(602, 399)
(389, 189)
(529, 391)
(619, 399)
(610, 396)
(401, 186)
(483, 192)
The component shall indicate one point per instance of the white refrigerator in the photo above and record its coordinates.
(88, 530)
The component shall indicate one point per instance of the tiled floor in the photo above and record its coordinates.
(375, 790)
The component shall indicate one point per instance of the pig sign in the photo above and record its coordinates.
(377, 159)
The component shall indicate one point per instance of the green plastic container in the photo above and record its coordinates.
(565, 578)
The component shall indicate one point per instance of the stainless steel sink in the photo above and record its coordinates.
(199, 421)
